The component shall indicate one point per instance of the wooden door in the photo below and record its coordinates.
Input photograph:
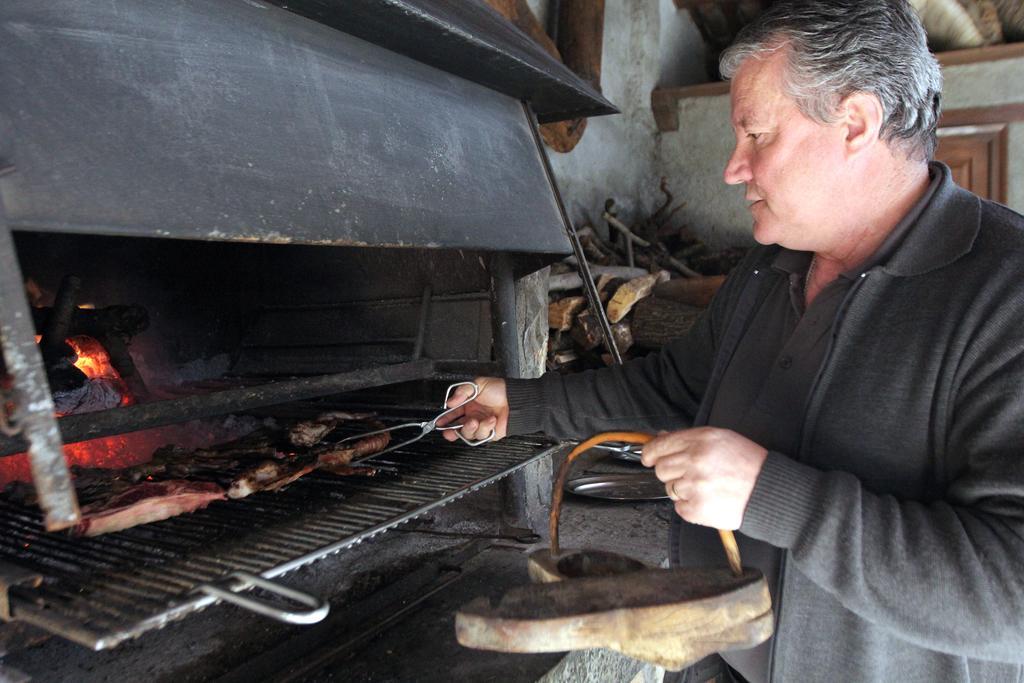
(977, 157)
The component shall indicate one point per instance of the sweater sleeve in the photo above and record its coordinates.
(946, 574)
(660, 391)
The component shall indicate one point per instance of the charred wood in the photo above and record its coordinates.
(58, 323)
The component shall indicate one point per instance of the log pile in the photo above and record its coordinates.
(654, 278)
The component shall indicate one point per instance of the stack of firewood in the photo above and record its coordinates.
(654, 278)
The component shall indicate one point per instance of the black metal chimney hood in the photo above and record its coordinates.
(236, 120)
(466, 38)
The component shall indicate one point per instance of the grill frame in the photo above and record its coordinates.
(100, 603)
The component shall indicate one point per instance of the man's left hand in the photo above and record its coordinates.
(708, 472)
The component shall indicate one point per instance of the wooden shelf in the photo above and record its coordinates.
(990, 53)
(665, 101)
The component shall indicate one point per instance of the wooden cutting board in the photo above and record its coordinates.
(670, 617)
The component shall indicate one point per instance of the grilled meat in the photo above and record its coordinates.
(144, 503)
(311, 432)
(270, 475)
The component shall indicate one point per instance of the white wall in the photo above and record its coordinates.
(617, 156)
(695, 155)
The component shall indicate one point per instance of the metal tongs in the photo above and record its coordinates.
(429, 425)
(629, 452)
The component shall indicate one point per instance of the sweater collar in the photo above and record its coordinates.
(945, 230)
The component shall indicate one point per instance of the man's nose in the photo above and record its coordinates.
(737, 169)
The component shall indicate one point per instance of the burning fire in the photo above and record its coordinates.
(94, 361)
(124, 450)
(134, 448)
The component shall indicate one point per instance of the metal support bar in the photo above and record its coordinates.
(421, 330)
(143, 416)
(589, 288)
(505, 323)
(13, 575)
(33, 403)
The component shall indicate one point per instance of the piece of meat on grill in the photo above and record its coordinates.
(342, 454)
(182, 463)
(144, 503)
(351, 470)
(311, 432)
(270, 475)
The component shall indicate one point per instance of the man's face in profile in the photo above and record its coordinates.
(791, 165)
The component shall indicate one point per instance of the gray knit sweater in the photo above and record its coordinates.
(902, 514)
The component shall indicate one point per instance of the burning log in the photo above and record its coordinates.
(102, 387)
(58, 323)
(112, 326)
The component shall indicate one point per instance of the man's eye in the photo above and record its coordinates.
(755, 136)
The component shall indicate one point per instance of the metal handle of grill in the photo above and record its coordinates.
(319, 608)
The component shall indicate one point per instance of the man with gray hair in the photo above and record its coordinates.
(853, 400)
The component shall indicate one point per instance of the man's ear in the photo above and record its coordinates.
(860, 117)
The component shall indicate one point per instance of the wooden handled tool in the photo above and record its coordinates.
(592, 598)
(732, 551)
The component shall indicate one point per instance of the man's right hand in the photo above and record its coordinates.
(489, 411)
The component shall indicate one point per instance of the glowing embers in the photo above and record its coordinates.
(123, 450)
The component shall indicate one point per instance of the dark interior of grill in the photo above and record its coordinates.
(221, 316)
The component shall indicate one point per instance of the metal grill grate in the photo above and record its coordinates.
(101, 591)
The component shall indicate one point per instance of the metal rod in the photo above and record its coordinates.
(143, 416)
(378, 303)
(33, 413)
(589, 288)
(504, 318)
(421, 333)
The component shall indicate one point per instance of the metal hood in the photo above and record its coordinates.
(238, 120)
